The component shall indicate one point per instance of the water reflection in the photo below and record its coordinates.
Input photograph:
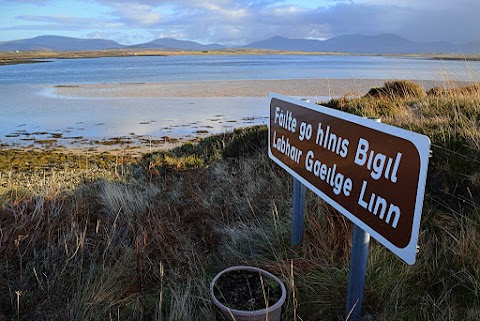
(37, 115)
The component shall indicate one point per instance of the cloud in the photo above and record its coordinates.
(243, 21)
(118, 36)
(225, 21)
(58, 22)
(36, 2)
(419, 21)
(137, 14)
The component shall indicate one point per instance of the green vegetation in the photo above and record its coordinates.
(398, 89)
(18, 162)
(142, 239)
(15, 61)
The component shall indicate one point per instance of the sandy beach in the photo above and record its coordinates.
(232, 88)
(159, 114)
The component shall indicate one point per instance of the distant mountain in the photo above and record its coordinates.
(280, 43)
(174, 44)
(382, 44)
(472, 47)
(388, 44)
(57, 43)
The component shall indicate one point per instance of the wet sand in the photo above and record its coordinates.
(143, 116)
(232, 88)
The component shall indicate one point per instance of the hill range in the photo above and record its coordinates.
(359, 44)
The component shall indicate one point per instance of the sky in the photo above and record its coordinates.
(237, 22)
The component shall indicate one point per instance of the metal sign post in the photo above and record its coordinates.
(298, 211)
(358, 271)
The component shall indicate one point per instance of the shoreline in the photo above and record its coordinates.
(232, 88)
(200, 94)
(13, 58)
(132, 145)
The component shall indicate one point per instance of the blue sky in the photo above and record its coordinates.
(239, 21)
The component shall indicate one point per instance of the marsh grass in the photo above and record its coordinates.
(86, 241)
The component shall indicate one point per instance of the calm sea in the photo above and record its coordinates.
(28, 112)
(195, 68)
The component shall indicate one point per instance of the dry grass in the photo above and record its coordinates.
(144, 243)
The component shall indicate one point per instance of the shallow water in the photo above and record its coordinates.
(34, 114)
(29, 111)
(236, 67)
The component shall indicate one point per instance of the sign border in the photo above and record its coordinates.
(422, 145)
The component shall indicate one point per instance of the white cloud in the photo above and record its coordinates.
(231, 13)
(138, 14)
(286, 10)
(59, 22)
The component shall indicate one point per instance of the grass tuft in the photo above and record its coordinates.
(397, 89)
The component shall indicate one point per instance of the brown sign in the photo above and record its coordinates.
(371, 172)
